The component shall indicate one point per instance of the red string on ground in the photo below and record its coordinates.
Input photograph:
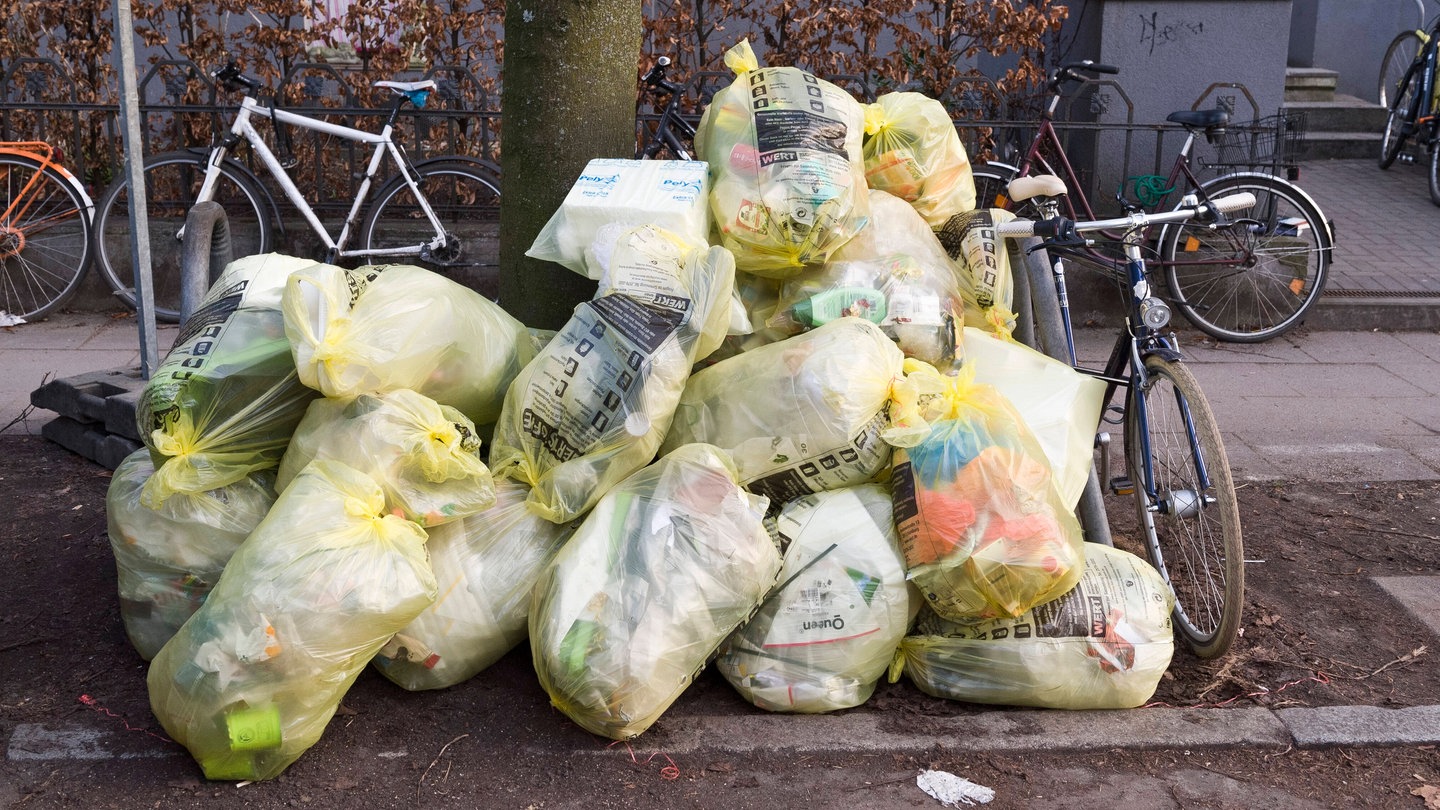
(671, 771)
(1318, 677)
(95, 705)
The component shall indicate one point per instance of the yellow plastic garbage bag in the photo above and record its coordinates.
(1060, 405)
(983, 261)
(825, 636)
(384, 327)
(800, 416)
(424, 455)
(913, 151)
(251, 680)
(1103, 645)
(788, 179)
(894, 273)
(486, 565)
(595, 404)
(226, 399)
(660, 572)
(984, 531)
(167, 559)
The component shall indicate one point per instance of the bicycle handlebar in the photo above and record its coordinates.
(655, 77)
(233, 79)
(1074, 72)
(1064, 228)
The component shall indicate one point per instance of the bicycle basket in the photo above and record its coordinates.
(1274, 140)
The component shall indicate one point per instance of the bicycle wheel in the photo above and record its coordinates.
(1434, 167)
(990, 185)
(1403, 111)
(1257, 279)
(1398, 57)
(466, 198)
(172, 182)
(44, 237)
(1191, 533)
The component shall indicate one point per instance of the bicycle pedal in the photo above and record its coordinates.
(1122, 485)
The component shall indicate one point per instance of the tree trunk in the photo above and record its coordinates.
(569, 96)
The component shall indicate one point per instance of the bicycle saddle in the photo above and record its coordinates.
(1203, 119)
(1039, 185)
(408, 87)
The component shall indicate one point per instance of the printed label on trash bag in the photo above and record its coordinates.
(797, 469)
(594, 373)
(826, 602)
(970, 238)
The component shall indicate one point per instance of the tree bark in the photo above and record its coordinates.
(569, 96)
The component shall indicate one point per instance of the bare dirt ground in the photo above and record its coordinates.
(1318, 632)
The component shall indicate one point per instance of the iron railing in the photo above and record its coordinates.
(180, 107)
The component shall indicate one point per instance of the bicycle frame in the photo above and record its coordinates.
(1078, 207)
(383, 145)
(1132, 346)
(43, 153)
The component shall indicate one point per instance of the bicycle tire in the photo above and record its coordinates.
(1276, 262)
(44, 237)
(1434, 168)
(1399, 55)
(1403, 112)
(1193, 538)
(172, 181)
(466, 198)
(991, 183)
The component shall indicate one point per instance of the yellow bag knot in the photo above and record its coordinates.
(741, 58)
(875, 119)
(169, 446)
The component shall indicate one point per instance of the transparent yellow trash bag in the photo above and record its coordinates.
(1103, 645)
(982, 260)
(984, 531)
(424, 455)
(1060, 405)
(594, 405)
(913, 151)
(667, 564)
(384, 327)
(787, 177)
(894, 273)
(168, 558)
(799, 416)
(825, 636)
(226, 399)
(486, 565)
(251, 680)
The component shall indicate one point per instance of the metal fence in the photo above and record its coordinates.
(180, 107)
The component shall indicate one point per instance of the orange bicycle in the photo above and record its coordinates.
(45, 218)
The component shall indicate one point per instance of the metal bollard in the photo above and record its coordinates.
(1049, 337)
(204, 252)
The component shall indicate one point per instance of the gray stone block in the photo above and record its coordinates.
(1362, 725)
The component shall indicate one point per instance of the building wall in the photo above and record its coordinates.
(1350, 37)
(1178, 55)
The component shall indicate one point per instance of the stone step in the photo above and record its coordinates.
(1310, 84)
(1342, 114)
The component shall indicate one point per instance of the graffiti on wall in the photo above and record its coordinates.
(1155, 32)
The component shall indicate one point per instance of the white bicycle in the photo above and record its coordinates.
(442, 213)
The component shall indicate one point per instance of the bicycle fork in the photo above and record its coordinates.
(1147, 315)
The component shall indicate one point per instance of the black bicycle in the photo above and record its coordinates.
(672, 136)
(1413, 112)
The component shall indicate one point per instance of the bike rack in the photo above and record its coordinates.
(204, 252)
